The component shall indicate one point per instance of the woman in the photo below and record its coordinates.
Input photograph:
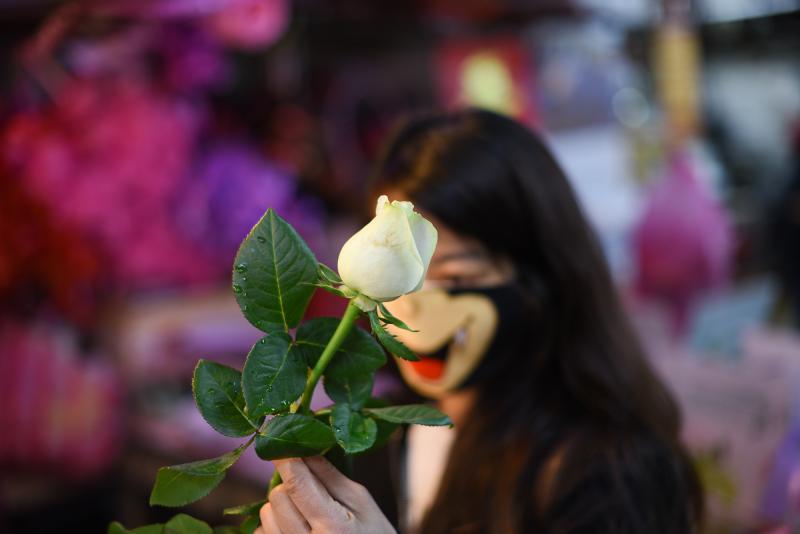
(561, 425)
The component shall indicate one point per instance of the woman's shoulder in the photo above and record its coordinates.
(621, 481)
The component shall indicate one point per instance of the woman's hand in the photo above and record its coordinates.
(316, 498)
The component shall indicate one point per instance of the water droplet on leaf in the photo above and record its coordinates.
(241, 268)
(261, 239)
(237, 289)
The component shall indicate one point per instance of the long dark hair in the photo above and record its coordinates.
(578, 434)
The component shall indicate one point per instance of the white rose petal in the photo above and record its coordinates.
(425, 236)
(389, 256)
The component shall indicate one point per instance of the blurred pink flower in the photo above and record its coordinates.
(61, 412)
(683, 242)
(250, 24)
(108, 157)
(247, 24)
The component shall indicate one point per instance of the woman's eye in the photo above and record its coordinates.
(453, 281)
(459, 281)
(445, 281)
(462, 274)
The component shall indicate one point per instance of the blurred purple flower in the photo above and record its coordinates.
(189, 58)
(193, 60)
(781, 498)
(231, 189)
(120, 53)
(247, 24)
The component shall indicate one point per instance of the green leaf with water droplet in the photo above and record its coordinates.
(274, 375)
(385, 428)
(293, 435)
(353, 389)
(177, 485)
(186, 524)
(358, 354)
(218, 394)
(354, 432)
(350, 374)
(273, 275)
(417, 414)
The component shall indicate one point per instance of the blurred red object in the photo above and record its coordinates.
(61, 412)
(683, 242)
(41, 258)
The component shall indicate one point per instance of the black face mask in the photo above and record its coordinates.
(511, 335)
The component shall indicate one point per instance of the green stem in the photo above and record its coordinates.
(274, 482)
(345, 326)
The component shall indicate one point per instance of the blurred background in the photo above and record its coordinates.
(140, 140)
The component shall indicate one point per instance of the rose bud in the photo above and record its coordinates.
(389, 256)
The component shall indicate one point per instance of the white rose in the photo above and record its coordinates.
(389, 256)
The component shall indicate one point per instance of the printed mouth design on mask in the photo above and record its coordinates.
(431, 366)
(454, 331)
(441, 353)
